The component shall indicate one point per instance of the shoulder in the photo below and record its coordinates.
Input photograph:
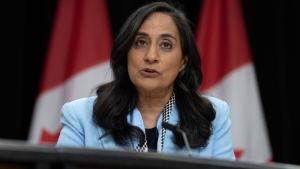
(82, 103)
(218, 104)
(221, 139)
(215, 101)
(76, 119)
(222, 109)
(79, 107)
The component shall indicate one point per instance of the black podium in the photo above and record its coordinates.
(19, 155)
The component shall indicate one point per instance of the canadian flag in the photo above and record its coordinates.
(229, 74)
(77, 60)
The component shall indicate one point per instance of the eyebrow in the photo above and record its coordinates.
(162, 35)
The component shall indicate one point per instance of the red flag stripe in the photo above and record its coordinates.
(229, 75)
(77, 60)
(221, 37)
(81, 28)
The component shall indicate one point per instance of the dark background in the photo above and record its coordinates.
(273, 31)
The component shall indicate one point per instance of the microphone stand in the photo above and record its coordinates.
(176, 129)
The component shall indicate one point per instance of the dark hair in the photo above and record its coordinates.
(118, 98)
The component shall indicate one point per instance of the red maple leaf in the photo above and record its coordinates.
(48, 137)
(238, 153)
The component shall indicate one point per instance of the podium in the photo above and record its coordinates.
(20, 155)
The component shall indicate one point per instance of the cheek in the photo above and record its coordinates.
(130, 60)
(132, 65)
(173, 69)
(175, 66)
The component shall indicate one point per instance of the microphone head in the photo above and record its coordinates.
(176, 129)
(169, 126)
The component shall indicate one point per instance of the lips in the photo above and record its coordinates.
(150, 72)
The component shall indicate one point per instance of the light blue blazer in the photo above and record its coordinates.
(79, 130)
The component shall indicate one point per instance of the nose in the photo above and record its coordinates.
(152, 55)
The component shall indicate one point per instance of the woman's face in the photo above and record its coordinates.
(155, 57)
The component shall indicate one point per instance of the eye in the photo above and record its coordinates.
(141, 42)
(166, 45)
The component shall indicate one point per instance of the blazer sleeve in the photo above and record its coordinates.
(223, 144)
(72, 132)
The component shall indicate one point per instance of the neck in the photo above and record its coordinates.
(151, 106)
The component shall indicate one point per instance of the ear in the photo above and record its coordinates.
(184, 62)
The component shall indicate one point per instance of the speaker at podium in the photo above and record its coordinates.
(21, 155)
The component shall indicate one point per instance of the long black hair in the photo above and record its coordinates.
(118, 98)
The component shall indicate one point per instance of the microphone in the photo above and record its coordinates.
(175, 129)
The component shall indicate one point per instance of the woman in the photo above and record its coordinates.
(157, 73)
